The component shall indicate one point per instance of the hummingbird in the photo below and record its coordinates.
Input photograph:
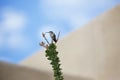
(53, 36)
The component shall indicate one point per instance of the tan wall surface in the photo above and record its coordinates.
(16, 72)
(92, 51)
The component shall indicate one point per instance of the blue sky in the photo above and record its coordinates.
(23, 21)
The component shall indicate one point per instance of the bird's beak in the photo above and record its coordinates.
(47, 32)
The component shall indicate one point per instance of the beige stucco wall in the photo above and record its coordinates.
(92, 51)
(16, 72)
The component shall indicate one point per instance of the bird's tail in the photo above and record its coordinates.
(57, 37)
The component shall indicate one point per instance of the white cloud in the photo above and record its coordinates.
(76, 3)
(61, 3)
(12, 23)
(12, 19)
(65, 10)
(78, 20)
(73, 11)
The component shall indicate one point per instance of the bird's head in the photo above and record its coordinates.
(51, 32)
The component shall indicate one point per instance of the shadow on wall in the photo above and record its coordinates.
(15, 72)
